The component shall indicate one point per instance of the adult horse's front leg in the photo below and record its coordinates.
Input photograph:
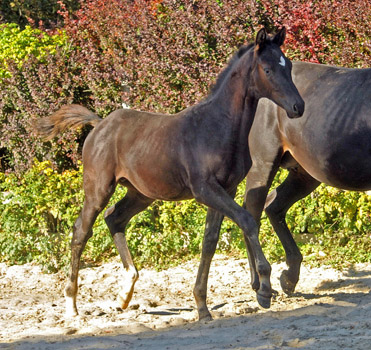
(212, 228)
(214, 196)
(296, 186)
(258, 181)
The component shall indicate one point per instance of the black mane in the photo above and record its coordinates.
(221, 77)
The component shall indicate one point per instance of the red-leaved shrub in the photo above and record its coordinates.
(161, 55)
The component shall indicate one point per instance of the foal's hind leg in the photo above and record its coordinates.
(213, 222)
(117, 217)
(96, 198)
(296, 186)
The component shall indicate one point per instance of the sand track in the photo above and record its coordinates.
(330, 309)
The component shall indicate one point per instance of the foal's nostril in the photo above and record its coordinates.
(295, 109)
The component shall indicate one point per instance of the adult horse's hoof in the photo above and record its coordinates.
(264, 301)
(286, 284)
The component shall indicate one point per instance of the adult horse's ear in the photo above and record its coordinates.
(279, 38)
(261, 38)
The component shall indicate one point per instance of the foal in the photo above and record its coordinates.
(201, 152)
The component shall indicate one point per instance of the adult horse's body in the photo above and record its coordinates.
(331, 143)
(201, 152)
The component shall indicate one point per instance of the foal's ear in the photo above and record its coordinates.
(279, 38)
(261, 38)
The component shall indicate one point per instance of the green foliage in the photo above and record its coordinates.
(18, 45)
(158, 55)
(39, 209)
(338, 224)
(36, 215)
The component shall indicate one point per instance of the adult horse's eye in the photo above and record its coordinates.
(267, 71)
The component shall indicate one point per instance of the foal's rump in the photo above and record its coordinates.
(131, 147)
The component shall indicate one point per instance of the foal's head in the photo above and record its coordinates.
(271, 73)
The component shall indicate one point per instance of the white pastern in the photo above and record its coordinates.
(125, 295)
(71, 310)
(282, 62)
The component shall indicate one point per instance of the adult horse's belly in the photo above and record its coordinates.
(345, 164)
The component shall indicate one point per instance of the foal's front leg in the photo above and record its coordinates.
(214, 196)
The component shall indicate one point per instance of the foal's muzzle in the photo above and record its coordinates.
(297, 110)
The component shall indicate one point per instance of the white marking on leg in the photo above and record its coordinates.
(71, 309)
(282, 62)
(109, 211)
(131, 276)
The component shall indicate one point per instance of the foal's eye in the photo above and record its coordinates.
(267, 71)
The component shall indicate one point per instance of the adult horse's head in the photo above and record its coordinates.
(271, 73)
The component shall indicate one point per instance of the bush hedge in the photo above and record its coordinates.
(18, 45)
(157, 55)
(40, 13)
(37, 212)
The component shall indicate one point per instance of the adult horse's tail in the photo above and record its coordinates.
(69, 116)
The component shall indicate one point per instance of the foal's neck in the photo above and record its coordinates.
(236, 99)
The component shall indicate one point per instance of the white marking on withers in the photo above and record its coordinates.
(282, 62)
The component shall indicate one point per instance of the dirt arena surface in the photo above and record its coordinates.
(330, 310)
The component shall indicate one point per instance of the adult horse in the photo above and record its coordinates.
(331, 143)
(201, 152)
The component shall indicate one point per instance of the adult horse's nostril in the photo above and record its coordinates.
(295, 108)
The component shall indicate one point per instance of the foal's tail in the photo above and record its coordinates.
(69, 116)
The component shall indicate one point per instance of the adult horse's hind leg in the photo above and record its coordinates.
(117, 217)
(96, 198)
(296, 186)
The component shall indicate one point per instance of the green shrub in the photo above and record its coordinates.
(36, 215)
(18, 45)
(338, 224)
(39, 209)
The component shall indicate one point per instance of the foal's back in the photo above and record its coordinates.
(138, 149)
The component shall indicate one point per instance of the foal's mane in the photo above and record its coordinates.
(222, 76)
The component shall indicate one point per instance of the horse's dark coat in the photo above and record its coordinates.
(201, 152)
(331, 143)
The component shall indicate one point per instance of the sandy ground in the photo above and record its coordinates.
(330, 310)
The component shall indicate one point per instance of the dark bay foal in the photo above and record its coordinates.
(201, 152)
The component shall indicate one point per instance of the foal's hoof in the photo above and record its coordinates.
(264, 301)
(286, 284)
(204, 316)
(123, 301)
